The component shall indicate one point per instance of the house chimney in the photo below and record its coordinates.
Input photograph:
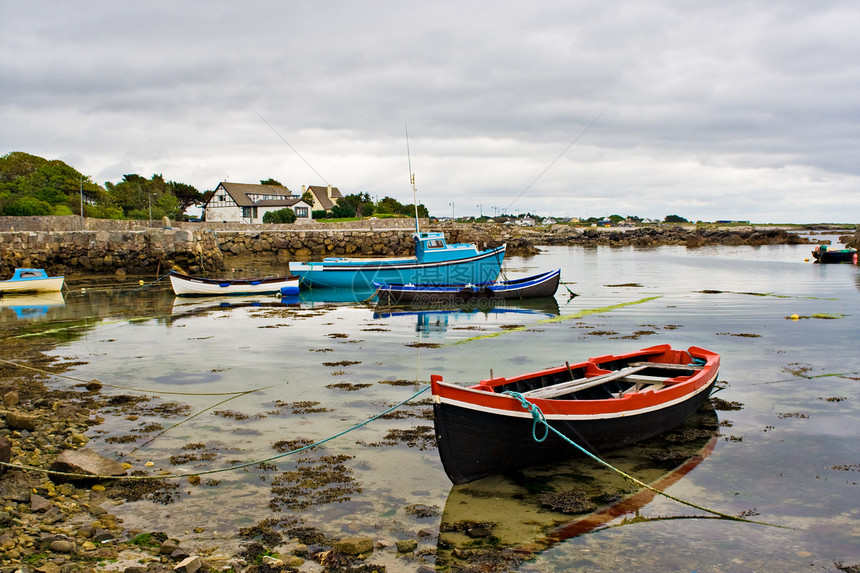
(303, 189)
(329, 191)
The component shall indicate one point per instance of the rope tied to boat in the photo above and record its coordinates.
(538, 416)
(535, 411)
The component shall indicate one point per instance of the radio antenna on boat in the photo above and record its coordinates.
(412, 178)
(559, 156)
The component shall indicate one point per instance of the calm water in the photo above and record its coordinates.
(788, 456)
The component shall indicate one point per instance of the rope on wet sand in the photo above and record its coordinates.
(538, 418)
(220, 470)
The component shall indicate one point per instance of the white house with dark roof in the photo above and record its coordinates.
(324, 197)
(247, 203)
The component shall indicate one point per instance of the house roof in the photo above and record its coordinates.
(321, 199)
(248, 194)
(285, 202)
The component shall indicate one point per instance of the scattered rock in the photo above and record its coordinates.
(17, 486)
(180, 555)
(169, 546)
(10, 398)
(86, 462)
(94, 385)
(62, 546)
(39, 504)
(354, 545)
(21, 421)
(189, 565)
(406, 545)
(5, 453)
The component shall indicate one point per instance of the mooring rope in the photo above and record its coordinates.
(538, 417)
(219, 470)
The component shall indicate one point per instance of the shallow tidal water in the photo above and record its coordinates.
(244, 379)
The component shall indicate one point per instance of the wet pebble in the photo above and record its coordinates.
(62, 546)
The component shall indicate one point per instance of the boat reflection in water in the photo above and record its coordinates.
(517, 517)
(32, 306)
(436, 318)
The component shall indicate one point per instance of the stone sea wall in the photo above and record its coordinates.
(199, 251)
(116, 252)
(200, 248)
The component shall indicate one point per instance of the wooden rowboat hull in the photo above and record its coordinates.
(481, 432)
(184, 285)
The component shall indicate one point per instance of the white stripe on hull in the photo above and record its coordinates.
(602, 416)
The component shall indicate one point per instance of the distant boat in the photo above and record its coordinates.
(823, 255)
(31, 280)
(435, 262)
(603, 403)
(544, 284)
(184, 285)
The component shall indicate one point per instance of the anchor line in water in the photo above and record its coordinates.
(538, 418)
(219, 470)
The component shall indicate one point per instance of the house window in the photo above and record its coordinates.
(301, 212)
(249, 212)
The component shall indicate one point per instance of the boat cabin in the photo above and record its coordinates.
(29, 274)
(432, 247)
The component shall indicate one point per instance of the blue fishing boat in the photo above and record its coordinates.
(435, 262)
(542, 285)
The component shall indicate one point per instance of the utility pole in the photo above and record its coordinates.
(82, 202)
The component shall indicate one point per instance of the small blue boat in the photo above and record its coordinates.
(536, 286)
(435, 262)
(31, 280)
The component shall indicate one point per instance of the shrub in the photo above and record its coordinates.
(27, 207)
(285, 215)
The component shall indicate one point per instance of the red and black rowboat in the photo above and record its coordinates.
(603, 403)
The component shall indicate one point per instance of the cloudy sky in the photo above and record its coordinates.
(738, 109)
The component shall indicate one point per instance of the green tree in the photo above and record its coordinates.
(271, 181)
(285, 215)
(354, 205)
(139, 197)
(308, 197)
(186, 196)
(391, 206)
(675, 219)
(49, 181)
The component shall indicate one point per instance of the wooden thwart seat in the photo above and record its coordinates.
(669, 366)
(563, 388)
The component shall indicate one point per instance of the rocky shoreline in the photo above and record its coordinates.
(51, 525)
(197, 249)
